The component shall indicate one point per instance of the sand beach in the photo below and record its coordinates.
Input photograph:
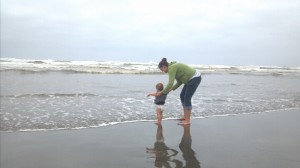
(267, 140)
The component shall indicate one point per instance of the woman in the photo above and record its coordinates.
(183, 74)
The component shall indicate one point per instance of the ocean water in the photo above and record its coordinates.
(54, 95)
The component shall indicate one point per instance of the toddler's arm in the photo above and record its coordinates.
(152, 94)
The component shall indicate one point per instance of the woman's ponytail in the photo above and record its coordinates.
(163, 62)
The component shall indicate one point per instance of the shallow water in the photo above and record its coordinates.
(65, 100)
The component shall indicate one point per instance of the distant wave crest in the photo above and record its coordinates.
(50, 95)
(113, 67)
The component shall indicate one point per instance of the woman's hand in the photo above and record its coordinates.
(158, 94)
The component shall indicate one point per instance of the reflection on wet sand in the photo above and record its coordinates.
(166, 157)
(188, 153)
(162, 154)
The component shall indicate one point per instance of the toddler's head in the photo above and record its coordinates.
(159, 87)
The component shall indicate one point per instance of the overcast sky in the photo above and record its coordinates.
(231, 32)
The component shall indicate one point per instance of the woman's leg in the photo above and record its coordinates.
(187, 116)
(186, 95)
(182, 97)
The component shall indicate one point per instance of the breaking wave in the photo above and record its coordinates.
(49, 95)
(113, 67)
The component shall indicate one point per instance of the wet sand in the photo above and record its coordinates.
(264, 140)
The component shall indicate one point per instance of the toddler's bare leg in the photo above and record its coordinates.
(159, 116)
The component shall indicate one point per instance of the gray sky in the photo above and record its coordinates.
(232, 32)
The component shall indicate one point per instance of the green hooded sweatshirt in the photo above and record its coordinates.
(181, 72)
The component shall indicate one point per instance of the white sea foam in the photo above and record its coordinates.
(59, 101)
(114, 67)
(136, 121)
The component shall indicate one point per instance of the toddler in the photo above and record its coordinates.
(159, 101)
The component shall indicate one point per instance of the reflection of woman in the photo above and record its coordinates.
(163, 154)
(183, 74)
(186, 148)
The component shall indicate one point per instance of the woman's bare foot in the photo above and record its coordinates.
(181, 119)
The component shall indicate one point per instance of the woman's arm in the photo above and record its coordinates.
(176, 85)
(168, 88)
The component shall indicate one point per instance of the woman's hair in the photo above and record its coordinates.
(163, 62)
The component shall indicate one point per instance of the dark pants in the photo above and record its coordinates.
(188, 91)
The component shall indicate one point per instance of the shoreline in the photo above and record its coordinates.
(266, 139)
(142, 121)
